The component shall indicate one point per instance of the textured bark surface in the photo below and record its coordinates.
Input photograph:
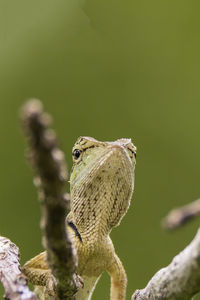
(178, 281)
(14, 282)
(51, 176)
(181, 215)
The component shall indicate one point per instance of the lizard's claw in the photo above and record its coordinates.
(51, 286)
(79, 281)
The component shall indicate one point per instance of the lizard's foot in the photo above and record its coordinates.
(51, 283)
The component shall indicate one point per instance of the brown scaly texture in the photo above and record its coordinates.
(102, 182)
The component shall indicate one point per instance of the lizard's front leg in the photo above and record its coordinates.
(39, 274)
(118, 279)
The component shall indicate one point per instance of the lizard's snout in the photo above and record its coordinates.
(125, 149)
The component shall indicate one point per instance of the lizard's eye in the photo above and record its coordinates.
(76, 153)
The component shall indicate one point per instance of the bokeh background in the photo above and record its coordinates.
(107, 69)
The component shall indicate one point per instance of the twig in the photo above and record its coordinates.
(51, 171)
(178, 281)
(179, 216)
(14, 282)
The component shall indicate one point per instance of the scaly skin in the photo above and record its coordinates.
(101, 185)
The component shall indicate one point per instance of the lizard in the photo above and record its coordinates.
(101, 188)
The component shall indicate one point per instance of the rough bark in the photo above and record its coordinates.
(178, 281)
(51, 176)
(14, 282)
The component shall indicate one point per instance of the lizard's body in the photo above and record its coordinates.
(101, 186)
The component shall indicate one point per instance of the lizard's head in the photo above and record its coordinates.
(102, 178)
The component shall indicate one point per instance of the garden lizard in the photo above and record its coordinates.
(101, 187)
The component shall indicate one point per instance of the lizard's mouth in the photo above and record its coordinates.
(106, 165)
(73, 226)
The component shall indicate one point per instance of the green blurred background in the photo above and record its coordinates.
(107, 69)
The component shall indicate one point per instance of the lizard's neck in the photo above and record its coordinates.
(99, 205)
(101, 193)
(90, 220)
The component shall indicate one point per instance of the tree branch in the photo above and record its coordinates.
(14, 282)
(51, 175)
(178, 281)
(179, 216)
